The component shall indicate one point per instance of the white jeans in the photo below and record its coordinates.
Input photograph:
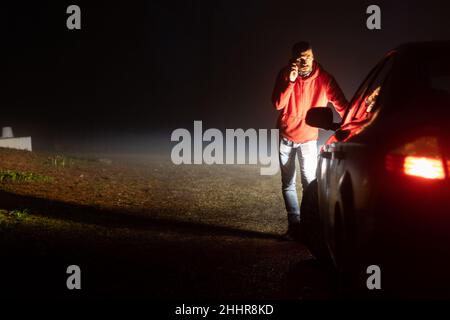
(307, 157)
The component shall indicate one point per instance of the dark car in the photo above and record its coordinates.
(382, 193)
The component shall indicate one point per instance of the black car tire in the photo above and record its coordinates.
(311, 227)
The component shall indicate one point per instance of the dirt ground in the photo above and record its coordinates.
(139, 226)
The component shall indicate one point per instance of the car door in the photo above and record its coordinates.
(338, 155)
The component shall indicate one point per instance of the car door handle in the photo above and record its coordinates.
(326, 154)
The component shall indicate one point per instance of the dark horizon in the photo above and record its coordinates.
(148, 68)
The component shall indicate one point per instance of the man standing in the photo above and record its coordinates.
(300, 86)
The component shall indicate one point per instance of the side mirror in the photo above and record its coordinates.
(321, 118)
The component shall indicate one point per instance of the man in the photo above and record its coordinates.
(300, 86)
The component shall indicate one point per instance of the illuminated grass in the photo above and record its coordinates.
(18, 214)
(60, 161)
(16, 176)
(9, 218)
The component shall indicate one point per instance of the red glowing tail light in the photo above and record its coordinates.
(420, 158)
(424, 167)
(448, 166)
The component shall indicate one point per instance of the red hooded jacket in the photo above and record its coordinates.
(294, 99)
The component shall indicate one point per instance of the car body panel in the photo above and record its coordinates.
(357, 196)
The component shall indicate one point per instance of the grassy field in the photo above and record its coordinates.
(235, 196)
(158, 230)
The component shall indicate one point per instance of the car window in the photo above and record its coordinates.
(435, 74)
(364, 102)
(441, 83)
(356, 100)
(368, 104)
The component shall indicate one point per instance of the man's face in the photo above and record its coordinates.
(305, 61)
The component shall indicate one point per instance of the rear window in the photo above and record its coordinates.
(441, 83)
(435, 71)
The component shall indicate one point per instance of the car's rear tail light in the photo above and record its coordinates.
(420, 158)
(448, 166)
(424, 167)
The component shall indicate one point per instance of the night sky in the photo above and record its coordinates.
(147, 68)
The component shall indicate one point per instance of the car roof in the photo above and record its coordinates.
(417, 63)
(424, 48)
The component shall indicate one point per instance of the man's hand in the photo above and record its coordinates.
(293, 74)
